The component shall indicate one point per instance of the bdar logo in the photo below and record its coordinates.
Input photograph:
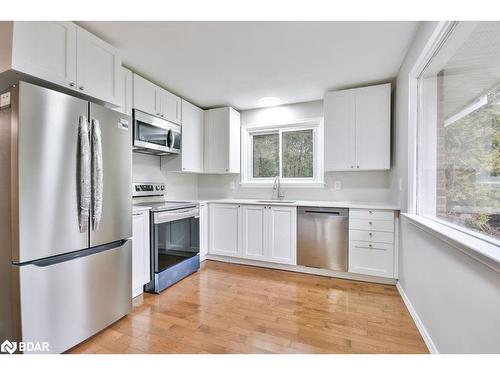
(8, 347)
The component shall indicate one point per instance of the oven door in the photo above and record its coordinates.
(176, 237)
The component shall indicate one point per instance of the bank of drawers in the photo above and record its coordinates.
(371, 242)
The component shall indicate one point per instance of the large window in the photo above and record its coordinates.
(458, 147)
(289, 151)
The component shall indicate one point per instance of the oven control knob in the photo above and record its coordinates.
(157, 188)
(162, 187)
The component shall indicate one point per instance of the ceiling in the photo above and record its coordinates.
(237, 63)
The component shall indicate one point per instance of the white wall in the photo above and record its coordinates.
(356, 186)
(456, 297)
(146, 168)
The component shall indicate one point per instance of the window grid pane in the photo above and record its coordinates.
(298, 154)
(265, 155)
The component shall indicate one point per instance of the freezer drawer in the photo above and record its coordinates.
(67, 302)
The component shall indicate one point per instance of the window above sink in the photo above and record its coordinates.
(293, 151)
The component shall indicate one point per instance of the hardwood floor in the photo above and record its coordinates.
(228, 308)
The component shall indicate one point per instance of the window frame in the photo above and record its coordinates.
(440, 36)
(248, 131)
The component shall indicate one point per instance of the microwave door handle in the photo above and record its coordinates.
(97, 174)
(84, 173)
(171, 135)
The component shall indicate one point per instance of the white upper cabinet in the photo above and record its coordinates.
(222, 141)
(46, 50)
(340, 130)
(192, 138)
(373, 127)
(146, 97)
(125, 87)
(357, 129)
(64, 54)
(153, 99)
(170, 106)
(98, 68)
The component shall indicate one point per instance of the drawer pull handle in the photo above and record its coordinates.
(370, 246)
(371, 212)
(370, 223)
(370, 234)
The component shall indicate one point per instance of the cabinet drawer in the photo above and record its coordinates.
(371, 258)
(371, 225)
(371, 236)
(371, 214)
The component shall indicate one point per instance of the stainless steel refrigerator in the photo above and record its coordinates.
(65, 217)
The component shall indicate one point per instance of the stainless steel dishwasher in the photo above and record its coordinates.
(322, 237)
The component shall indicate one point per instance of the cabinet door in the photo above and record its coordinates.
(138, 241)
(224, 230)
(125, 87)
(98, 68)
(46, 50)
(203, 231)
(254, 232)
(373, 127)
(371, 258)
(170, 106)
(234, 141)
(146, 96)
(282, 238)
(217, 140)
(192, 138)
(339, 130)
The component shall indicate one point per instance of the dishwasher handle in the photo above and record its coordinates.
(327, 211)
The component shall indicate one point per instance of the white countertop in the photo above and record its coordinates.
(339, 204)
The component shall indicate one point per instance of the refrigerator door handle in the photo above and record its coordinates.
(84, 173)
(97, 174)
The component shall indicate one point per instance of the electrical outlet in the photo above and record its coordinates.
(337, 185)
(232, 185)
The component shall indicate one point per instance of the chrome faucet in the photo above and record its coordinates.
(277, 186)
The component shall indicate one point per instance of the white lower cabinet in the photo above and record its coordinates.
(141, 273)
(254, 232)
(282, 237)
(265, 233)
(371, 242)
(224, 230)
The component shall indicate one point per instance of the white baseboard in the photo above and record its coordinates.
(303, 269)
(418, 322)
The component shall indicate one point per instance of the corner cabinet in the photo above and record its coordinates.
(256, 232)
(357, 129)
(141, 273)
(66, 55)
(155, 100)
(222, 141)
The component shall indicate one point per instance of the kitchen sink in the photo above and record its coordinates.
(272, 201)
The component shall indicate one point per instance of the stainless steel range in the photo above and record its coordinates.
(175, 236)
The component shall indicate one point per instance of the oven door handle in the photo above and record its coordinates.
(168, 216)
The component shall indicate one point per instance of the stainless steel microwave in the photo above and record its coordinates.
(153, 135)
